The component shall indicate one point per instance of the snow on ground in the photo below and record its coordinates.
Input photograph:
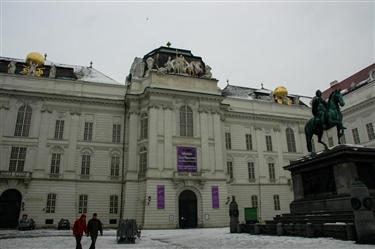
(210, 238)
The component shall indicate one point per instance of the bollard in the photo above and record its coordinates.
(350, 231)
(257, 228)
(363, 215)
(309, 230)
(279, 229)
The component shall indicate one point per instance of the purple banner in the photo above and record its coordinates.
(215, 196)
(161, 194)
(186, 159)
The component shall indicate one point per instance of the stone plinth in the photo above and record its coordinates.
(322, 183)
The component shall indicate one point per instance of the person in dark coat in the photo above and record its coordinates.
(79, 228)
(93, 227)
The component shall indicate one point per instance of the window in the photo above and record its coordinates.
(116, 133)
(55, 163)
(271, 169)
(85, 169)
(228, 141)
(254, 201)
(230, 169)
(82, 204)
(115, 165)
(250, 167)
(113, 204)
(59, 129)
(370, 131)
(142, 162)
(87, 135)
(330, 141)
(186, 121)
(144, 126)
(249, 142)
(17, 159)
(290, 140)
(51, 203)
(356, 136)
(23, 121)
(276, 202)
(269, 143)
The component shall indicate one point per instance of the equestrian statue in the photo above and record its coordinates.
(326, 116)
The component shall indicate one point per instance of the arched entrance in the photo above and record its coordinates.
(187, 209)
(10, 207)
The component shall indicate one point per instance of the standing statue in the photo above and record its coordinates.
(12, 67)
(150, 65)
(326, 116)
(233, 213)
(52, 71)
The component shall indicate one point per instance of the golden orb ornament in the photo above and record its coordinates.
(280, 91)
(35, 58)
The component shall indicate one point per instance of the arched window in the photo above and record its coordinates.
(186, 121)
(142, 162)
(23, 121)
(144, 126)
(290, 140)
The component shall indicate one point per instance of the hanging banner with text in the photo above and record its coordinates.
(186, 159)
(161, 196)
(215, 196)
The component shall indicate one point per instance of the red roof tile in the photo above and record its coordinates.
(346, 83)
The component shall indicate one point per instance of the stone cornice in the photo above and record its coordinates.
(359, 106)
(61, 97)
(179, 93)
(262, 117)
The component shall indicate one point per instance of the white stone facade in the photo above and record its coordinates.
(159, 97)
(358, 114)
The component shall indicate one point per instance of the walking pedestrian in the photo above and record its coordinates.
(93, 227)
(79, 228)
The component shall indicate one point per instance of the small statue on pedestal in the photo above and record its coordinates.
(233, 213)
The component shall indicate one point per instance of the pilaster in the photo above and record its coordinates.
(219, 160)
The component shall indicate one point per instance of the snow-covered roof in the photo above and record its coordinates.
(83, 73)
(259, 94)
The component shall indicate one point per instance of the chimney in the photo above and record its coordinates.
(333, 83)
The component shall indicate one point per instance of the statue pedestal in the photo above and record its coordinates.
(233, 224)
(322, 183)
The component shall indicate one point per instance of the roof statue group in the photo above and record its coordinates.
(326, 116)
(34, 66)
(178, 64)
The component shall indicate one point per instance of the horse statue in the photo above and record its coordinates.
(331, 117)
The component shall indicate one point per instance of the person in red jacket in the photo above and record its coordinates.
(78, 229)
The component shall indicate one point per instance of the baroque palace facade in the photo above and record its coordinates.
(169, 148)
(358, 112)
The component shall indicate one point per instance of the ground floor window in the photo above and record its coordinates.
(82, 204)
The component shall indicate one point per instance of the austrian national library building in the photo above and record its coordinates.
(168, 148)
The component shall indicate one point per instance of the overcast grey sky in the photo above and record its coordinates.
(300, 45)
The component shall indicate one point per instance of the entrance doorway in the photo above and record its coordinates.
(10, 207)
(187, 209)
